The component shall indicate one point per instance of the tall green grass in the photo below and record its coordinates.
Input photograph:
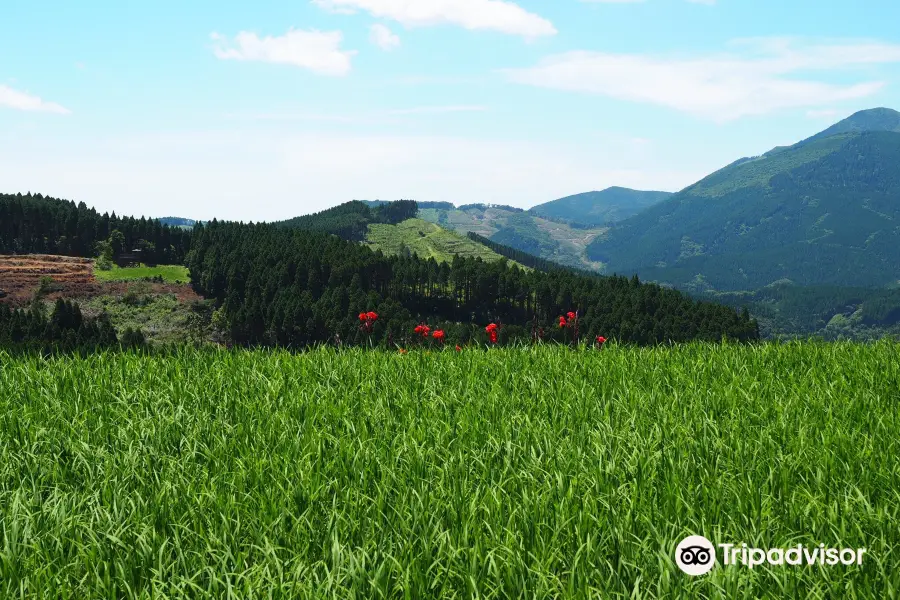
(169, 273)
(515, 473)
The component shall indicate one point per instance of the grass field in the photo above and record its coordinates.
(517, 473)
(169, 273)
(427, 240)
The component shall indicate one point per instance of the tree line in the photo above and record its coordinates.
(65, 329)
(295, 284)
(35, 224)
(279, 286)
(351, 220)
(520, 256)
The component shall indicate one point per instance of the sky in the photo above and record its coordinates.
(269, 109)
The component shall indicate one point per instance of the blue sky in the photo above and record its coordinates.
(270, 109)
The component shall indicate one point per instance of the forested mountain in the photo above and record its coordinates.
(824, 211)
(545, 238)
(785, 310)
(521, 257)
(351, 220)
(282, 286)
(426, 240)
(875, 119)
(42, 225)
(178, 222)
(599, 208)
(421, 205)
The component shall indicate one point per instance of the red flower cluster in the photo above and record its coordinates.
(367, 321)
(438, 335)
(423, 330)
(601, 340)
(568, 320)
(492, 332)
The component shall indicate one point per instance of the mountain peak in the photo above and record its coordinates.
(873, 119)
(598, 208)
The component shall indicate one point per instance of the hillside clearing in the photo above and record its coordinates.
(427, 240)
(169, 273)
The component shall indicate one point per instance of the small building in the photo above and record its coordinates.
(131, 258)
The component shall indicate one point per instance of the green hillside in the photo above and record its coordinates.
(427, 240)
(544, 238)
(179, 222)
(876, 119)
(784, 310)
(823, 212)
(599, 208)
(351, 220)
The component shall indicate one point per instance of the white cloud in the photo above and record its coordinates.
(318, 51)
(718, 87)
(11, 98)
(382, 37)
(495, 15)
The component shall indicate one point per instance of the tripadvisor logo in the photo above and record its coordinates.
(696, 555)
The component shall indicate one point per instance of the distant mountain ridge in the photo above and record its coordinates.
(178, 222)
(545, 238)
(600, 208)
(825, 211)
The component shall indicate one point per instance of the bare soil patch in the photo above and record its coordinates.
(73, 278)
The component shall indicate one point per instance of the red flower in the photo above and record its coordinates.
(571, 315)
(372, 316)
(458, 349)
(493, 336)
(601, 340)
(562, 321)
(438, 335)
(491, 327)
(363, 317)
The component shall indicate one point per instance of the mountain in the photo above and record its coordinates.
(784, 310)
(548, 239)
(825, 211)
(435, 205)
(875, 119)
(426, 240)
(351, 220)
(599, 208)
(178, 222)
